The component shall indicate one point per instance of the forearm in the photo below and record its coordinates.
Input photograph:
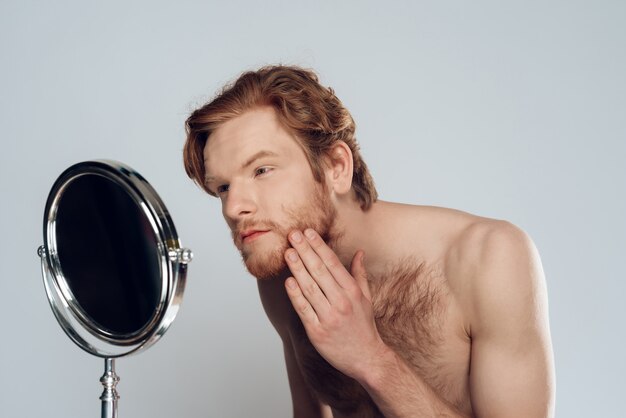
(400, 393)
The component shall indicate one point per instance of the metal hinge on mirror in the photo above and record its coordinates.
(180, 255)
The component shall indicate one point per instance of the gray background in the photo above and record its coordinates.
(512, 110)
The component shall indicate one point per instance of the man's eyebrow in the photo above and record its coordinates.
(258, 155)
(248, 162)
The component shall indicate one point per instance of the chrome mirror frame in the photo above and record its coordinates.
(173, 260)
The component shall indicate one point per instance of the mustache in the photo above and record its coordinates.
(262, 224)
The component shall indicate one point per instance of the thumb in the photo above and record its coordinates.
(357, 269)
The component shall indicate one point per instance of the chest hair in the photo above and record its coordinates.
(408, 305)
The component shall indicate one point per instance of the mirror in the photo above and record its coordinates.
(113, 267)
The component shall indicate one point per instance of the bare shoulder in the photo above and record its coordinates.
(496, 290)
(485, 261)
(483, 241)
(481, 256)
(496, 270)
(501, 287)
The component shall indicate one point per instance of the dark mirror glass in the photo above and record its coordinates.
(108, 254)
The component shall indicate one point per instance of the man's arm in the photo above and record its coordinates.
(512, 367)
(400, 393)
(278, 309)
(305, 405)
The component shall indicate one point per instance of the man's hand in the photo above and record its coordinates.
(334, 305)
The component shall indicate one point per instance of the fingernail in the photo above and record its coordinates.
(291, 255)
(296, 236)
(291, 283)
(310, 234)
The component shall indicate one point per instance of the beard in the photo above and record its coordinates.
(317, 213)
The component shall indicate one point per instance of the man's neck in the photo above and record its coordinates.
(362, 230)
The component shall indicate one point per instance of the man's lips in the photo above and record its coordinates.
(251, 235)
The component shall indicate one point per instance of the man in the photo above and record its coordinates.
(384, 309)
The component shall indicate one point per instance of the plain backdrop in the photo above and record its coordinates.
(511, 110)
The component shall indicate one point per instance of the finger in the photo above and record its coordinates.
(317, 267)
(357, 268)
(329, 259)
(307, 285)
(300, 303)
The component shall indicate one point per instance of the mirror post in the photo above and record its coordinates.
(109, 395)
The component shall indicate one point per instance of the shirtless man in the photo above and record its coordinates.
(384, 309)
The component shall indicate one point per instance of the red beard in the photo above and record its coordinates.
(318, 214)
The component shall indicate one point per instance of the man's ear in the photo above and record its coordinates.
(339, 168)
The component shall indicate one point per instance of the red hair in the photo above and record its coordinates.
(309, 110)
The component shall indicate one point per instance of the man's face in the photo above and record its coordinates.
(266, 186)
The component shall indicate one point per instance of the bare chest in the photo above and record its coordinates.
(415, 315)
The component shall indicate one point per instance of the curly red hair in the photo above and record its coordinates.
(311, 111)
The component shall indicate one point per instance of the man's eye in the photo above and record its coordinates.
(261, 170)
(222, 189)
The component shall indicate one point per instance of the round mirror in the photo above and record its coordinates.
(114, 269)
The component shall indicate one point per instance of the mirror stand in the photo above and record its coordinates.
(109, 395)
(112, 264)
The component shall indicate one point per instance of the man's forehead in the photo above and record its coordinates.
(238, 132)
(254, 135)
(254, 122)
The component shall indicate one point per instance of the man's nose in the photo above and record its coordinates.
(239, 203)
